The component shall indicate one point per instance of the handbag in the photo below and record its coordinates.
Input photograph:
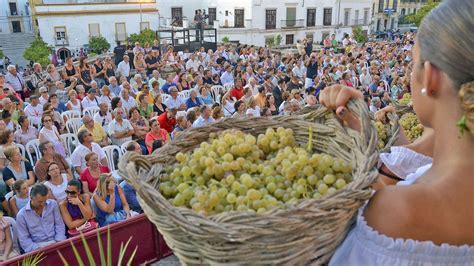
(86, 227)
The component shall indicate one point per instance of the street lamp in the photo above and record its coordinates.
(141, 16)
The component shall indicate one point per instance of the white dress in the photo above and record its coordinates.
(58, 191)
(365, 246)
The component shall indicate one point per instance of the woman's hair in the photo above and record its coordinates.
(22, 119)
(449, 47)
(102, 185)
(46, 106)
(267, 99)
(75, 183)
(180, 119)
(251, 102)
(153, 121)
(114, 102)
(132, 109)
(6, 114)
(237, 104)
(156, 98)
(11, 151)
(89, 156)
(17, 185)
(191, 116)
(105, 88)
(264, 111)
(4, 135)
(141, 97)
(48, 176)
(216, 112)
(156, 144)
(46, 115)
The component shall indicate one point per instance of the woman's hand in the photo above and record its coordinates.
(336, 97)
(74, 201)
(381, 114)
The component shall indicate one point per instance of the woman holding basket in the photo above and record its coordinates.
(430, 220)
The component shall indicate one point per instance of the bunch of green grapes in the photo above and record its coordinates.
(382, 134)
(411, 126)
(235, 171)
(406, 99)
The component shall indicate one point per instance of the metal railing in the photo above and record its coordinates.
(360, 22)
(292, 23)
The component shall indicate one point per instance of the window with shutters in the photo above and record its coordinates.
(381, 6)
(120, 32)
(311, 17)
(327, 17)
(290, 39)
(347, 14)
(61, 36)
(366, 17)
(290, 16)
(177, 16)
(94, 30)
(238, 18)
(270, 19)
(212, 12)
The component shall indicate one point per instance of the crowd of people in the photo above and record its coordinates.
(144, 99)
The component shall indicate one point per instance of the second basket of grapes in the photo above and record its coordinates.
(258, 191)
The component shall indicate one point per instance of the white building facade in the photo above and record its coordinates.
(15, 16)
(68, 24)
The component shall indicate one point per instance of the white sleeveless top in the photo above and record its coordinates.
(76, 107)
(50, 134)
(59, 192)
(365, 246)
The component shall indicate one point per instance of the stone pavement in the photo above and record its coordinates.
(14, 44)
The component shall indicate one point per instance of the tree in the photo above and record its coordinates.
(1, 54)
(422, 12)
(98, 44)
(146, 36)
(225, 39)
(38, 52)
(277, 40)
(358, 34)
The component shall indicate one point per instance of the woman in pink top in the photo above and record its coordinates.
(91, 174)
(156, 133)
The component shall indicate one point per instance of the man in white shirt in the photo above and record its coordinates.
(34, 110)
(252, 85)
(86, 146)
(127, 101)
(43, 99)
(205, 117)
(155, 76)
(193, 63)
(175, 101)
(91, 99)
(103, 117)
(120, 129)
(227, 77)
(124, 67)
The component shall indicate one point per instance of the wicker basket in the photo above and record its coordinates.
(306, 232)
(402, 109)
(311, 112)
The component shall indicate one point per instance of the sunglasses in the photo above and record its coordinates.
(70, 192)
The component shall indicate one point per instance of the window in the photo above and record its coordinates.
(395, 6)
(356, 18)
(144, 25)
(290, 16)
(414, 10)
(381, 6)
(366, 17)
(212, 15)
(16, 26)
(290, 39)
(13, 10)
(311, 17)
(120, 32)
(61, 36)
(94, 30)
(177, 16)
(270, 19)
(347, 14)
(238, 18)
(327, 18)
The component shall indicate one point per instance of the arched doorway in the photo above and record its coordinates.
(63, 53)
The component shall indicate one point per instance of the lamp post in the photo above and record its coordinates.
(141, 16)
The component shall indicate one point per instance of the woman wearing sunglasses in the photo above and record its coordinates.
(76, 209)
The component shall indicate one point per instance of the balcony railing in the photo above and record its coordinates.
(292, 23)
(61, 42)
(359, 22)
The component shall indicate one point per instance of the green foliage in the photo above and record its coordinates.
(32, 260)
(145, 36)
(421, 13)
(1, 53)
(98, 44)
(358, 34)
(38, 52)
(277, 40)
(225, 39)
(105, 258)
(269, 42)
(91, 55)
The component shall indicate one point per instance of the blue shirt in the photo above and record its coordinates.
(166, 86)
(34, 229)
(131, 196)
(115, 89)
(191, 104)
(201, 121)
(101, 215)
(227, 77)
(207, 100)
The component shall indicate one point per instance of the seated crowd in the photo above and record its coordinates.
(145, 101)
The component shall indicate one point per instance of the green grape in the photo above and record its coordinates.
(231, 198)
(329, 179)
(323, 189)
(340, 183)
(180, 157)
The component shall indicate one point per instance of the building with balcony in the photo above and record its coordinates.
(68, 25)
(15, 17)
(255, 21)
(412, 6)
(385, 15)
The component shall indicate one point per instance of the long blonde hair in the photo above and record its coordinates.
(101, 189)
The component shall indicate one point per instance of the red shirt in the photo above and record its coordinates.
(165, 123)
(237, 93)
(150, 137)
(90, 180)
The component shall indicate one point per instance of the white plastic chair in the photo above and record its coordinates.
(109, 152)
(184, 94)
(228, 86)
(69, 141)
(91, 111)
(32, 148)
(165, 97)
(14, 231)
(216, 91)
(22, 149)
(123, 147)
(67, 115)
(73, 125)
